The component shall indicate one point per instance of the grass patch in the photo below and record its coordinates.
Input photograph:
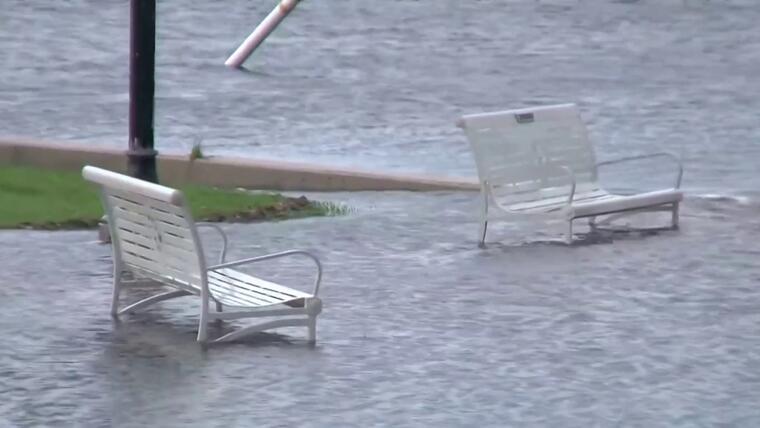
(197, 151)
(334, 209)
(41, 199)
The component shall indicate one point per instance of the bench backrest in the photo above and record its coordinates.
(517, 151)
(152, 230)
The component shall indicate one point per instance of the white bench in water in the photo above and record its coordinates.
(539, 161)
(154, 237)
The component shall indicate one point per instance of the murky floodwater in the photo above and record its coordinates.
(379, 85)
(420, 327)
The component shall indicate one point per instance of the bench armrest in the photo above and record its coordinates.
(225, 241)
(669, 155)
(317, 279)
(568, 173)
(562, 169)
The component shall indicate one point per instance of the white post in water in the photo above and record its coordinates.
(260, 33)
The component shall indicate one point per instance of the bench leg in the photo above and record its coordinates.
(160, 297)
(219, 308)
(674, 219)
(569, 237)
(592, 223)
(313, 308)
(203, 322)
(483, 217)
(482, 234)
(277, 323)
(306, 317)
(115, 294)
(202, 332)
(312, 329)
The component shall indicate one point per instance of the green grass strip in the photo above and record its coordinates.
(44, 199)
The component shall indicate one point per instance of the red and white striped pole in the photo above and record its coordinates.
(260, 33)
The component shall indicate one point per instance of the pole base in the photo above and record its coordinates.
(141, 163)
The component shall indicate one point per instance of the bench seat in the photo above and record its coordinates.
(235, 288)
(596, 203)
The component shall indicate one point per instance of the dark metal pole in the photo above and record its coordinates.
(141, 157)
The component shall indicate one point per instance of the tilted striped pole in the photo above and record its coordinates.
(260, 33)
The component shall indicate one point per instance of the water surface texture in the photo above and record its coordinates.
(421, 328)
(380, 84)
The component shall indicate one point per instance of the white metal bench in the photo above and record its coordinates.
(540, 161)
(154, 237)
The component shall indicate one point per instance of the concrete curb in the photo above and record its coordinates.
(222, 171)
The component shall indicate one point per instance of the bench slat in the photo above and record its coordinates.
(511, 153)
(141, 220)
(176, 258)
(155, 269)
(156, 213)
(149, 238)
(230, 296)
(554, 203)
(144, 199)
(242, 289)
(160, 262)
(141, 230)
(270, 287)
(244, 286)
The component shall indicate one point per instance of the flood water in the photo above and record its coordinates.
(420, 328)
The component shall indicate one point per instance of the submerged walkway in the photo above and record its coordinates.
(224, 171)
(420, 328)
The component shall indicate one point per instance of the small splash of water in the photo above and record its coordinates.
(736, 199)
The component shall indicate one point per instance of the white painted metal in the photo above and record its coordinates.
(261, 32)
(225, 240)
(118, 181)
(541, 161)
(154, 237)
